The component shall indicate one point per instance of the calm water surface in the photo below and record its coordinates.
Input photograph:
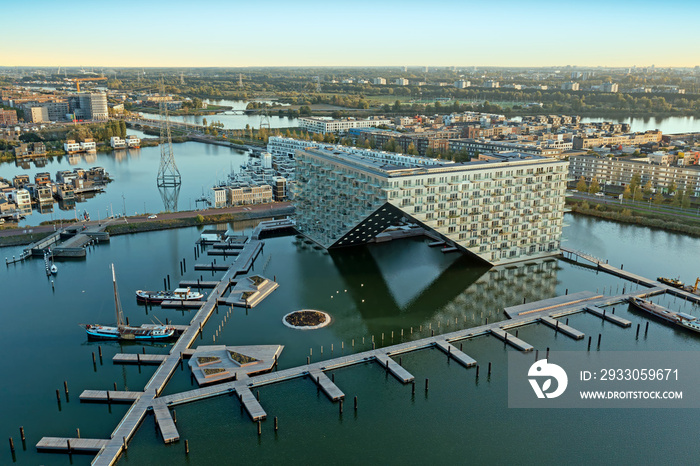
(134, 172)
(403, 284)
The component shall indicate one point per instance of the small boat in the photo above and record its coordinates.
(671, 282)
(54, 269)
(146, 332)
(179, 294)
(678, 318)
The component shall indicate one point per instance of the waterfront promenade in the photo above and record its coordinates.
(273, 209)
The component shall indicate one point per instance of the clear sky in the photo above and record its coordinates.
(349, 33)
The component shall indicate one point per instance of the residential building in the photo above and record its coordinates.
(379, 81)
(499, 211)
(117, 143)
(245, 195)
(609, 87)
(492, 84)
(89, 106)
(325, 125)
(570, 86)
(635, 139)
(485, 146)
(35, 114)
(401, 82)
(462, 84)
(8, 117)
(619, 172)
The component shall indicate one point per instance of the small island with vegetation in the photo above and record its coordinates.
(306, 319)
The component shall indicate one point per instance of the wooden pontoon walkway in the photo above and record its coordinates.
(546, 311)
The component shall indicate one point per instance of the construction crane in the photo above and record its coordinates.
(78, 80)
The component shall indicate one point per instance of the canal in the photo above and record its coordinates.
(369, 291)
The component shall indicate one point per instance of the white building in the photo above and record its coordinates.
(401, 82)
(133, 142)
(499, 211)
(492, 84)
(609, 87)
(117, 143)
(379, 81)
(570, 86)
(325, 125)
(462, 84)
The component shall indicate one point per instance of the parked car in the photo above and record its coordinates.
(152, 216)
(600, 194)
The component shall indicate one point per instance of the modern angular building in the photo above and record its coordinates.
(500, 211)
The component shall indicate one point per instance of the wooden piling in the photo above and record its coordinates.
(547, 357)
(646, 328)
(477, 371)
(99, 351)
(340, 406)
(12, 445)
(276, 426)
(489, 368)
(93, 357)
(58, 395)
(187, 447)
(638, 325)
(426, 384)
(77, 431)
(355, 403)
(21, 433)
(599, 335)
(124, 445)
(589, 343)
(65, 384)
(259, 428)
(413, 388)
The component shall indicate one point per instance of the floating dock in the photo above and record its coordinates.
(180, 304)
(609, 316)
(165, 423)
(512, 340)
(563, 328)
(71, 445)
(109, 396)
(198, 284)
(324, 383)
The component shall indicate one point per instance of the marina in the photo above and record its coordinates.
(345, 383)
(150, 401)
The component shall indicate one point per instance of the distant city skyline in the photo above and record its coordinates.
(315, 33)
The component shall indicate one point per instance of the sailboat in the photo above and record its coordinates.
(122, 331)
(53, 269)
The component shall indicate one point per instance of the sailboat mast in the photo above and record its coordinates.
(117, 307)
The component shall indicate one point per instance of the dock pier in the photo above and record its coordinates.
(548, 312)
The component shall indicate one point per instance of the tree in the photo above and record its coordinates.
(672, 188)
(581, 186)
(659, 198)
(648, 189)
(204, 122)
(411, 149)
(594, 187)
(638, 194)
(636, 181)
(685, 200)
(627, 193)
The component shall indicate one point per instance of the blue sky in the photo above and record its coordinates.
(370, 33)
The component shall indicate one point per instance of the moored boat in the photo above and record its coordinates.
(678, 318)
(146, 332)
(671, 282)
(178, 294)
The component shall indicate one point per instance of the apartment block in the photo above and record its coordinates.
(619, 172)
(499, 211)
(325, 125)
